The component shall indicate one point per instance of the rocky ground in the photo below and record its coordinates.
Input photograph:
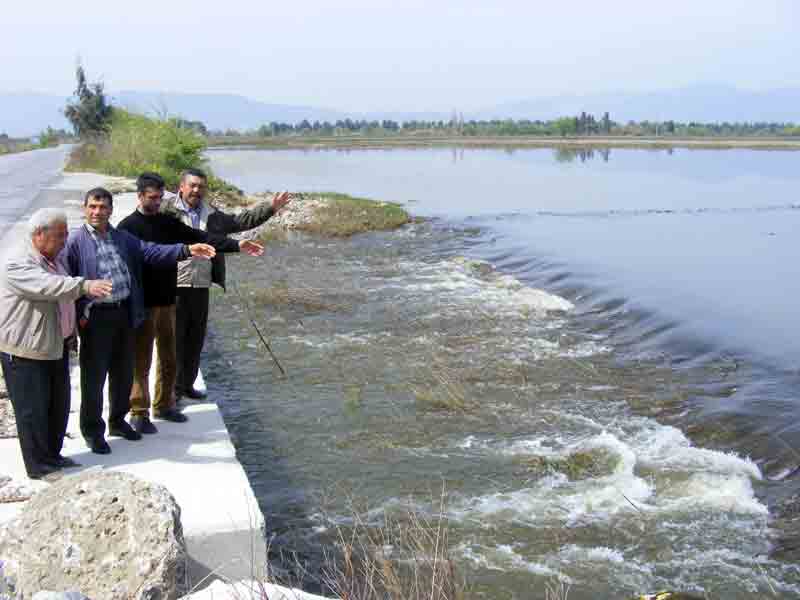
(109, 535)
(301, 212)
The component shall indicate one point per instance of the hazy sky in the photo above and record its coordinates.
(363, 55)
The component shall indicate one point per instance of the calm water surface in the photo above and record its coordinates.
(595, 353)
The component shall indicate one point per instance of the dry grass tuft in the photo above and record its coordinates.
(556, 590)
(406, 559)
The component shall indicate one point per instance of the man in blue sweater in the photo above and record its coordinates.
(99, 251)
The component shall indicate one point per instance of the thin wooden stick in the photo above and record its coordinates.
(255, 326)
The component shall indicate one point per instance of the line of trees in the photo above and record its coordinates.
(581, 125)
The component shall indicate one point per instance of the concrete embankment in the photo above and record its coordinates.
(195, 461)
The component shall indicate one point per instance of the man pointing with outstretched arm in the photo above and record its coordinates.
(195, 277)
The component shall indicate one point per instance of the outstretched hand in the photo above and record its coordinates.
(202, 250)
(98, 288)
(250, 247)
(280, 200)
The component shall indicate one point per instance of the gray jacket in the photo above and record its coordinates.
(194, 272)
(29, 296)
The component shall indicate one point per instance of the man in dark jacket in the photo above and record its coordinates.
(159, 283)
(99, 251)
(195, 277)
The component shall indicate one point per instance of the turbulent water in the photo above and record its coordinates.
(595, 360)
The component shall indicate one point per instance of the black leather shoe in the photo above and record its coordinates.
(98, 446)
(42, 470)
(194, 394)
(123, 430)
(61, 462)
(143, 424)
(171, 415)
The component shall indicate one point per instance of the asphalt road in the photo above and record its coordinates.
(23, 177)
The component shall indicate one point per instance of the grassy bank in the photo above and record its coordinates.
(342, 215)
(412, 141)
(328, 214)
(136, 143)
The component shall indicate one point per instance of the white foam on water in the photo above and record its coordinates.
(539, 301)
(522, 350)
(581, 565)
(714, 480)
(606, 496)
(592, 553)
(336, 340)
(469, 442)
(712, 492)
(706, 480)
(463, 282)
(536, 446)
(585, 350)
(668, 449)
(686, 570)
(555, 497)
(504, 558)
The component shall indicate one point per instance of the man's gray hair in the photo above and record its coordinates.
(44, 218)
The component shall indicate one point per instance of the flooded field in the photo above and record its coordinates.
(586, 425)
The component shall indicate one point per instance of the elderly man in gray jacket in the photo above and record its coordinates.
(37, 326)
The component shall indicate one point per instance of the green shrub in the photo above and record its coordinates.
(136, 143)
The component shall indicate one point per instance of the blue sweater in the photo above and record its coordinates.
(80, 257)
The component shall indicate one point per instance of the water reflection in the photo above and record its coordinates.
(569, 155)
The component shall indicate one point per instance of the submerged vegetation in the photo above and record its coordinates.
(302, 298)
(582, 464)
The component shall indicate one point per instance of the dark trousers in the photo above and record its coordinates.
(191, 322)
(40, 394)
(107, 348)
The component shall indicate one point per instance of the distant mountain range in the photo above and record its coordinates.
(23, 114)
(704, 103)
